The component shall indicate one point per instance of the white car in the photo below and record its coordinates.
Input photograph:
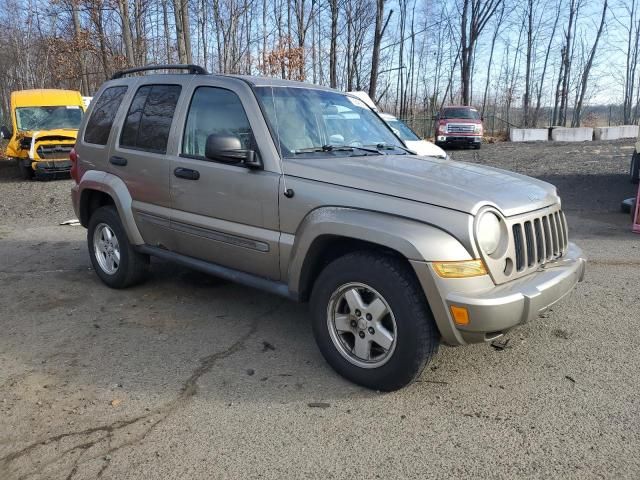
(411, 140)
(408, 136)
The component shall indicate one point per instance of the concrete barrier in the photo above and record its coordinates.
(613, 133)
(529, 134)
(607, 133)
(579, 134)
(629, 131)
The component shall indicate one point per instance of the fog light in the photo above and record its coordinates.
(460, 315)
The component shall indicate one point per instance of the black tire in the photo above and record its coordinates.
(477, 146)
(26, 172)
(634, 168)
(416, 338)
(132, 267)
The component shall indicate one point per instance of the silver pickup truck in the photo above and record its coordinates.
(305, 192)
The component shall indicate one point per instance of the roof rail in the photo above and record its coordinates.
(193, 69)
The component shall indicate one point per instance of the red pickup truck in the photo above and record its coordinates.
(459, 125)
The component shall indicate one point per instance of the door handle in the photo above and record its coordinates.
(186, 173)
(120, 161)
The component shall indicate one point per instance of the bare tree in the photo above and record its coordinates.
(378, 34)
(575, 122)
(632, 54)
(496, 31)
(475, 16)
(333, 49)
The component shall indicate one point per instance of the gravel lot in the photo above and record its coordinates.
(187, 376)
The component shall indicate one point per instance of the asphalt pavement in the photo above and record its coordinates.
(187, 376)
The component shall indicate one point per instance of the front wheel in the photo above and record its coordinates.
(113, 258)
(372, 322)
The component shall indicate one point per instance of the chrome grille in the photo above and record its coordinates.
(460, 128)
(535, 239)
(54, 152)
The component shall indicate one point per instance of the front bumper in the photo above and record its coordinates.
(492, 309)
(51, 166)
(47, 166)
(459, 139)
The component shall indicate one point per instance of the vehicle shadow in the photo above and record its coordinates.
(179, 330)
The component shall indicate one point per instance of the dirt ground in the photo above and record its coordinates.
(188, 376)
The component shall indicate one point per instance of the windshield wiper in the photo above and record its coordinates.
(390, 146)
(336, 148)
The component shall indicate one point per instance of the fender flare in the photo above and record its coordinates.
(116, 188)
(412, 239)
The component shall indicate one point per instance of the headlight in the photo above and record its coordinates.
(489, 232)
(477, 129)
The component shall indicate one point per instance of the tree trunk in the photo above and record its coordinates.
(333, 54)
(527, 77)
(585, 74)
(84, 81)
(123, 6)
(544, 67)
(177, 12)
(380, 27)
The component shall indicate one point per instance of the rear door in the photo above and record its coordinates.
(226, 214)
(141, 156)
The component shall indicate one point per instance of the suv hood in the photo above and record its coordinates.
(460, 186)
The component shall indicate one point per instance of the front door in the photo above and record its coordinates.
(223, 213)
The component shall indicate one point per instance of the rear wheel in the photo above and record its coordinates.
(634, 169)
(372, 322)
(113, 258)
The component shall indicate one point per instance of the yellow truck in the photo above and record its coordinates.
(44, 127)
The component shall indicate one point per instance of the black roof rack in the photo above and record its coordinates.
(193, 69)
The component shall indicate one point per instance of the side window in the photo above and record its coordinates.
(214, 110)
(101, 120)
(149, 118)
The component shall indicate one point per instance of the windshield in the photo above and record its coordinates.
(469, 113)
(404, 132)
(48, 118)
(311, 122)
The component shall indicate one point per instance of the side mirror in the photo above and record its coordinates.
(228, 149)
(5, 133)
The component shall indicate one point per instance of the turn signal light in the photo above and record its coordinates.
(460, 315)
(464, 269)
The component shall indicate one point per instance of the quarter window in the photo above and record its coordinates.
(214, 111)
(101, 120)
(149, 118)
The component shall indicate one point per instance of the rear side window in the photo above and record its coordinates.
(101, 120)
(149, 119)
